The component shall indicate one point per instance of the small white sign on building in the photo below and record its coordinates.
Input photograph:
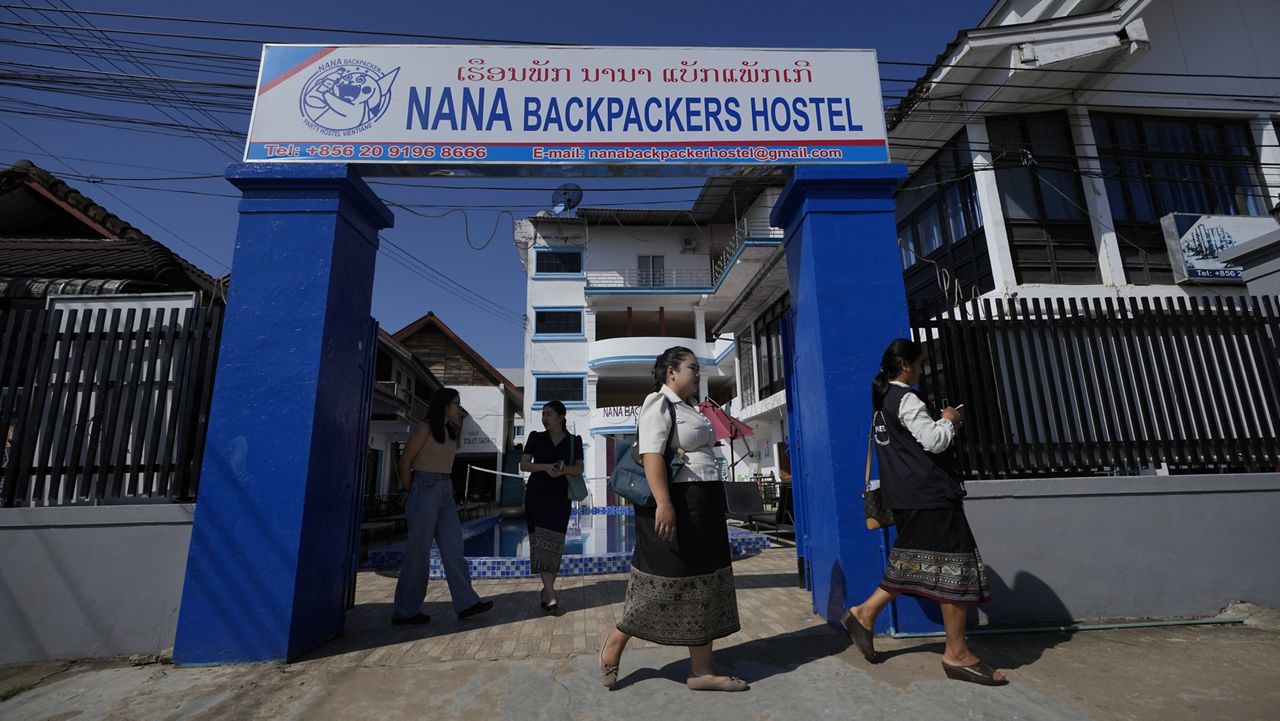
(1195, 241)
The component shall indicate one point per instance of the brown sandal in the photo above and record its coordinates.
(980, 673)
(860, 635)
(705, 683)
(607, 674)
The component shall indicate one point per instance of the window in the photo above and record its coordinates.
(1037, 173)
(557, 322)
(768, 342)
(650, 271)
(1155, 166)
(568, 389)
(939, 225)
(746, 368)
(557, 261)
(518, 429)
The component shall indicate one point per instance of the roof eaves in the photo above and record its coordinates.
(432, 320)
(103, 220)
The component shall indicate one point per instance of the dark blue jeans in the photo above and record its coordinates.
(432, 515)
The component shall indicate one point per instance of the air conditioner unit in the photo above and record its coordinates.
(688, 245)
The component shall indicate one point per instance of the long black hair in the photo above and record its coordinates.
(558, 407)
(900, 351)
(436, 409)
(670, 358)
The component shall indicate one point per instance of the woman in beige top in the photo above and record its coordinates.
(426, 472)
(680, 592)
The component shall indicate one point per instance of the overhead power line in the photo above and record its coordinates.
(520, 41)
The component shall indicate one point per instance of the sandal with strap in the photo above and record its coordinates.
(980, 673)
(716, 683)
(607, 674)
(860, 635)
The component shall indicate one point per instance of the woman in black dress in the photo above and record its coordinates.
(548, 457)
(934, 555)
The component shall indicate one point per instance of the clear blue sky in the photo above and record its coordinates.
(197, 217)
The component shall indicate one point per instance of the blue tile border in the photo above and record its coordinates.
(742, 543)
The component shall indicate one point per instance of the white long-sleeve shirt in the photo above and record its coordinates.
(933, 435)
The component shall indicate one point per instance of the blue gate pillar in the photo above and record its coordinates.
(849, 301)
(269, 548)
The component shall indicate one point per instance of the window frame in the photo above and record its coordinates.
(540, 251)
(552, 336)
(766, 331)
(1037, 244)
(539, 402)
(1143, 248)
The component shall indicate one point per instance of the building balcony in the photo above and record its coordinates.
(632, 278)
(635, 355)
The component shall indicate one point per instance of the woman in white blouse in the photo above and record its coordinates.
(680, 592)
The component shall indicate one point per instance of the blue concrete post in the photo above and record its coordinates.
(265, 571)
(845, 274)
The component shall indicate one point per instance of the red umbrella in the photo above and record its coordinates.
(725, 426)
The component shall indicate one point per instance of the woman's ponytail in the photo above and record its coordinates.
(879, 389)
(899, 353)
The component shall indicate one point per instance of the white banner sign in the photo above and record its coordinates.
(1195, 241)
(566, 105)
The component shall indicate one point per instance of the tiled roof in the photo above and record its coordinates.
(130, 260)
(48, 229)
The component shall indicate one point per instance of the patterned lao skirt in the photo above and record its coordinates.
(681, 593)
(936, 557)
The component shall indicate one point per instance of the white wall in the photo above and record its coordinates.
(482, 430)
(618, 248)
(85, 582)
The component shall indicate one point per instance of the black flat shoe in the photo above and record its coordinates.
(475, 609)
(416, 619)
(860, 635)
(550, 606)
(980, 673)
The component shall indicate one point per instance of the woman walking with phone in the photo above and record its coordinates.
(935, 555)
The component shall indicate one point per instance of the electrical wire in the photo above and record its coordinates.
(468, 39)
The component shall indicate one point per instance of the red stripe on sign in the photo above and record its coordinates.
(586, 143)
(297, 69)
(673, 144)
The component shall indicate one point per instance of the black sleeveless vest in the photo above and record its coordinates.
(910, 476)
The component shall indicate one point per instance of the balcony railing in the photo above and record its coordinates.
(755, 228)
(632, 278)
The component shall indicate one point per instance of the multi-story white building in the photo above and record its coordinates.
(610, 289)
(1056, 150)
(1048, 144)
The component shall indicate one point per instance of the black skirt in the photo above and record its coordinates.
(681, 593)
(546, 507)
(935, 556)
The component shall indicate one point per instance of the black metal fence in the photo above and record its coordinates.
(1089, 386)
(104, 404)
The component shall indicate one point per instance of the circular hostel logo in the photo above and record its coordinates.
(345, 97)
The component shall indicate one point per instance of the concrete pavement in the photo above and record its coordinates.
(517, 663)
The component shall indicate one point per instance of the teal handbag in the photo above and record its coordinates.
(628, 479)
(577, 484)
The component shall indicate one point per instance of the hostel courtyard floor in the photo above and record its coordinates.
(518, 663)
